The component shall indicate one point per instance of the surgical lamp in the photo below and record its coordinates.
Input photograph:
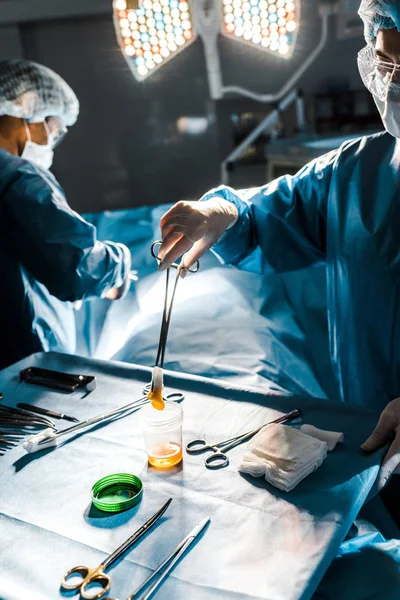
(158, 30)
(268, 25)
(153, 34)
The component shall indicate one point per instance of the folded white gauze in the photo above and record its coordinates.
(31, 445)
(284, 456)
(330, 437)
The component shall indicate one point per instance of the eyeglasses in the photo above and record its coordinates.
(56, 130)
(379, 77)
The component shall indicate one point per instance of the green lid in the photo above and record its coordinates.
(115, 493)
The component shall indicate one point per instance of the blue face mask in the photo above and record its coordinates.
(39, 154)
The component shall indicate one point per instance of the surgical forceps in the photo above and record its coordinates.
(166, 317)
(218, 458)
(168, 564)
(18, 418)
(9, 440)
(135, 405)
(97, 575)
(46, 412)
(16, 423)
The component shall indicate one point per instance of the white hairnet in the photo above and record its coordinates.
(34, 92)
(379, 14)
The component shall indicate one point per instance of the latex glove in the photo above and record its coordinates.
(388, 424)
(118, 293)
(112, 294)
(196, 226)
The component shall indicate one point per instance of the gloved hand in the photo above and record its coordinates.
(389, 423)
(194, 225)
(112, 294)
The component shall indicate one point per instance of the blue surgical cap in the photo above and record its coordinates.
(379, 14)
(34, 92)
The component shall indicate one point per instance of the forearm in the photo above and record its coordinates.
(103, 270)
(239, 240)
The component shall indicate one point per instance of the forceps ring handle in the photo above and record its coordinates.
(198, 447)
(174, 397)
(101, 579)
(80, 570)
(174, 265)
(88, 576)
(218, 460)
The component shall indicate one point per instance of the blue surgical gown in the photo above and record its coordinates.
(49, 258)
(341, 211)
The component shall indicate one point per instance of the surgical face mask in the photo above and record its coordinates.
(382, 79)
(39, 154)
(390, 114)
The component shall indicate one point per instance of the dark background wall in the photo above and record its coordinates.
(126, 149)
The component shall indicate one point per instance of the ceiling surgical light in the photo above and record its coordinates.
(152, 34)
(269, 25)
(155, 31)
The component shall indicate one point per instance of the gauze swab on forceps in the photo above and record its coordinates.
(48, 438)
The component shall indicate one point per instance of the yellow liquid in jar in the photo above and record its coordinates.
(165, 456)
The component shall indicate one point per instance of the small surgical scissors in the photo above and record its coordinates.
(97, 576)
(218, 458)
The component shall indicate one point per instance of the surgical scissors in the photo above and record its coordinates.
(168, 564)
(218, 458)
(97, 575)
(166, 317)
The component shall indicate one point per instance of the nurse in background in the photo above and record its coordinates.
(49, 256)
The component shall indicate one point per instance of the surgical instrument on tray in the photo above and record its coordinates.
(135, 405)
(168, 564)
(9, 441)
(57, 380)
(97, 575)
(45, 411)
(218, 458)
(15, 424)
(17, 416)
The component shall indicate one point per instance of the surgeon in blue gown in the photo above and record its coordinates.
(49, 256)
(341, 210)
